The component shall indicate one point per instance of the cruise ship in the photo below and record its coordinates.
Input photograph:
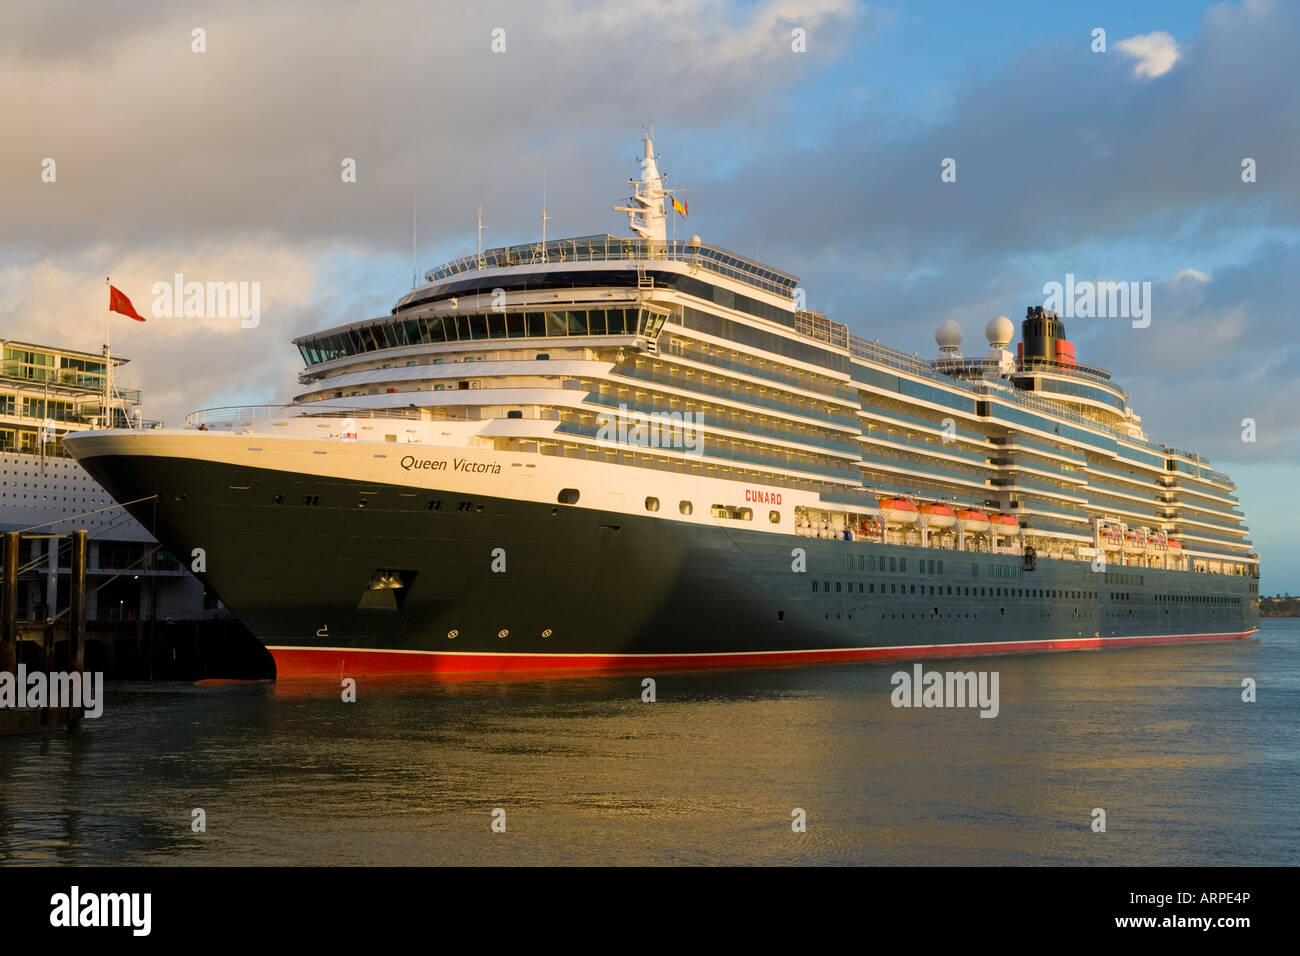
(627, 453)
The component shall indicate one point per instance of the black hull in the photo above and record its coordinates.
(588, 583)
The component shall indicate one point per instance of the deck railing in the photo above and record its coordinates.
(233, 414)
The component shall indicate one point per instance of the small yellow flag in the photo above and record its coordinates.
(680, 207)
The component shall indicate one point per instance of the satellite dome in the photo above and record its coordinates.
(948, 336)
(999, 332)
(693, 241)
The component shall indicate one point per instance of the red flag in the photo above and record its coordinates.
(117, 302)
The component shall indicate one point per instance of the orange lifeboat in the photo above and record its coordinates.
(1175, 545)
(1155, 540)
(1110, 537)
(938, 516)
(1004, 523)
(897, 510)
(973, 520)
(1135, 538)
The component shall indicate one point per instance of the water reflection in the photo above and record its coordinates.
(709, 773)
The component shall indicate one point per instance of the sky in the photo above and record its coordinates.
(226, 164)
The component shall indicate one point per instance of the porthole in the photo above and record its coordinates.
(568, 496)
(685, 507)
(652, 504)
(774, 517)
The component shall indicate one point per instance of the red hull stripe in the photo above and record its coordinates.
(317, 662)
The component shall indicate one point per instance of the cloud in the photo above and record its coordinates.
(173, 359)
(1156, 53)
(225, 166)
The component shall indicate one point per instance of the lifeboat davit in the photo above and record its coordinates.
(1004, 523)
(973, 520)
(938, 516)
(898, 510)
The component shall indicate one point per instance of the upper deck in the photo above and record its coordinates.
(609, 248)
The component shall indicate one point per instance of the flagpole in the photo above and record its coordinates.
(108, 357)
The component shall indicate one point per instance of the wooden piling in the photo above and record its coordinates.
(9, 605)
(77, 615)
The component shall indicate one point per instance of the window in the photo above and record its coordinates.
(774, 517)
(652, 504)
(567, 496)
(685, 507)
(734, 512)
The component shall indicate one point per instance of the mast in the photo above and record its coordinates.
(545, 217)
(480, 237)
(646, 215)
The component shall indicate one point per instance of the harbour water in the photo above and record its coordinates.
(587, 772)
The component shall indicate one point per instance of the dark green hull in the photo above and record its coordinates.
(586, 589)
